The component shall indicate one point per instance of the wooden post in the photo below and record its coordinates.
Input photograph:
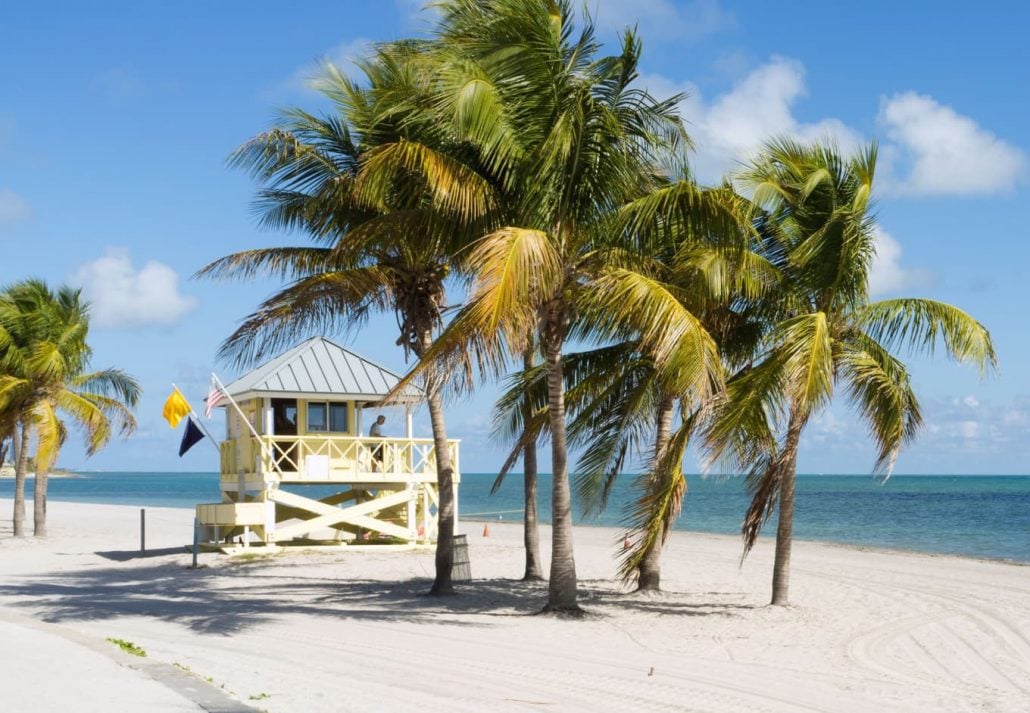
(412, 519)
(196, 540)
(142, 530)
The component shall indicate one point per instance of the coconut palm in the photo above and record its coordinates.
(618, 407)
(44, 357)
(576, 139)
(824, 332)
(700, 244)
(527, 448)
(379, 190)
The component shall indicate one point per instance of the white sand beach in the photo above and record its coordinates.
(350, 631)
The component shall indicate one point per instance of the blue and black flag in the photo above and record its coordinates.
(191, 437)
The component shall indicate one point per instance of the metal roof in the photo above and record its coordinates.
(320, 367)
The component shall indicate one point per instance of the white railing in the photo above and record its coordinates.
(334, 458)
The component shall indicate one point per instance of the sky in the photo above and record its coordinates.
(116, 119)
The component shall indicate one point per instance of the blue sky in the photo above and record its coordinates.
(115, 121)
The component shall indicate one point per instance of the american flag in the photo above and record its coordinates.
(214, 397)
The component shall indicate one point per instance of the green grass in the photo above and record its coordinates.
(128, 647)
(259, 696)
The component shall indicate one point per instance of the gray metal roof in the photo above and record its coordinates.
(322, 368)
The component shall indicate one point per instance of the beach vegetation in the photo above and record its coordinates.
(573, 136)
(128, 647)
(618, 405)
(45, 379)
(823, 332)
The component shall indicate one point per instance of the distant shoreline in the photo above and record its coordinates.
(8, 472)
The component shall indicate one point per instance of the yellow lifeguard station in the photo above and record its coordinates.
(298, 469)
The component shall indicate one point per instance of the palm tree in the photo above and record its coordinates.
(703, 243)
(525, 447)
(700, 241)
(824, 331)
(570, 134)
(43, 374)
(380, 191)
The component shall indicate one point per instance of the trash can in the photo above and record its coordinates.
(461, 570)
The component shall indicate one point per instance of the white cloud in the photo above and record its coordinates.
(663, 19)
(887, 274)
(733, 126)
(12, 207)
(967, 425)
(969, 429)
(928, 148)
(946, 153)
(418, 11)
(123, 296)
(305, 79)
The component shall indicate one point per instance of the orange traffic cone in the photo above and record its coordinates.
(486, 530)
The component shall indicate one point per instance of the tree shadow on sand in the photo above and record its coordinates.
(226, 599)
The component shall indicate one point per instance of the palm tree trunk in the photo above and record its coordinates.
(39, 501)
(530, 535)
(562, 592)
(785, 527)
(442, 584)
(21, 465)
(649, 574)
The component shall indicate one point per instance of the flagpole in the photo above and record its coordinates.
(243, 417)
(196, 419)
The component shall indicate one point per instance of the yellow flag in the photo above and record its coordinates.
(175, 408)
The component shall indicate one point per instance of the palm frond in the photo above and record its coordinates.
(623, 304)
(287, 262)
(918, 324)
(654, 512)
(879, 387)
(455, 188)
(324, 302)
(808, 355)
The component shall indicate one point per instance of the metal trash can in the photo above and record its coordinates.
(461, 570)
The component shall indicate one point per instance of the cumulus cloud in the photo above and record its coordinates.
(123, 296)
(12, 207)
(887, 274)
(927, 148)
(664, 19)
(733, 126)
(944, 152)
(967, 433)
(968, 425)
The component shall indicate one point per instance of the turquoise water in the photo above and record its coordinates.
(979, 516)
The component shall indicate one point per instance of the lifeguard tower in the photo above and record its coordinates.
(298, 469)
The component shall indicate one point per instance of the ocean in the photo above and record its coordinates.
(976, 516)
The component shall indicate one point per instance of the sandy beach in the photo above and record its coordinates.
(350, 631)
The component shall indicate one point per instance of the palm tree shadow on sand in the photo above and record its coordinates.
(233, 597)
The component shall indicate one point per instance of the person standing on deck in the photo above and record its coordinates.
(376, 431)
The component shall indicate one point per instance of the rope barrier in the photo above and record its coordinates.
(494, 512)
